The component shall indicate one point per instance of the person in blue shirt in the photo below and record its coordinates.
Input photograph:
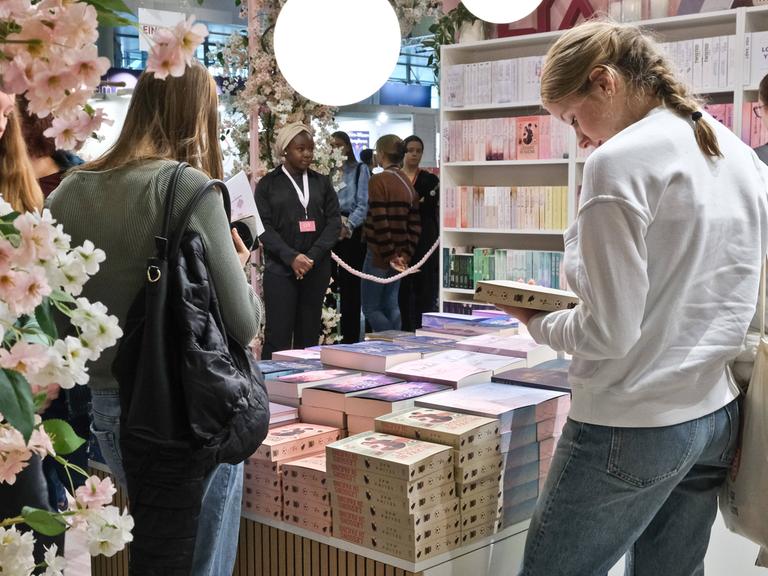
(353, 202)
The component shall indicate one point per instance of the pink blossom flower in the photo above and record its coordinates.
(14, 9)
(166, 58)
(36, 238)
(190, 36)
(88, 67)
(95, 493)
(76, 25)
(24, 357)
(14, 454)
(7, 254)
(40, 443)
(16, 74)
(29, 289)
(35, 37)
(64, 131)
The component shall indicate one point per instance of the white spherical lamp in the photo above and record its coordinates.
(501, 11)
(337, 52)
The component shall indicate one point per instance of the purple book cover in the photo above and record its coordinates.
(272, 366)
(402, 391)
(439, 319)
(428, 341)
(314, 376)
(358, 383)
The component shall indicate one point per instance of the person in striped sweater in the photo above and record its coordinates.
(392, 229)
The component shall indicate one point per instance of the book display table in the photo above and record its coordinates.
(269, 547)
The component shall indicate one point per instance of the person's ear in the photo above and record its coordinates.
(603, 80)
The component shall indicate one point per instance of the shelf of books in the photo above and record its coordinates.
(510, 173)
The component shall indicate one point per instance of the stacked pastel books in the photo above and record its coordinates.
(262, 487)
(306, 499)
(460, 326)
(287, 388)
(530, 422)
(394, 494)
(475, 442)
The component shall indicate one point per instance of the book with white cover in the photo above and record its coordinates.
(515, 345)
(514, 406)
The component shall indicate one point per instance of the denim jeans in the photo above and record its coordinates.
(380, 301)
(648, 492)
(219, 525)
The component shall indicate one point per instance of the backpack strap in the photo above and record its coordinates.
(197, 197)
(161, 241)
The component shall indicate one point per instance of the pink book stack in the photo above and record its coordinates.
(306, 499)
(530, 423)
(262, 485)
(393, 494)
(478, 462)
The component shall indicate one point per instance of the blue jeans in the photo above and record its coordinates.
(219, 525)
(648, 492)
(380, 304)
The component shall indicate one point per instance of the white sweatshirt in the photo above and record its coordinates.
(665, 254)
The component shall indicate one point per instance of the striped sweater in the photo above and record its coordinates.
(393, 224)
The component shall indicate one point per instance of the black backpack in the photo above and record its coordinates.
(183, 382)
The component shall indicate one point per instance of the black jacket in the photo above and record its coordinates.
(428, 187)
(281, 211)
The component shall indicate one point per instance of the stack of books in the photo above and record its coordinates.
(395, 495)
(262, 488)
(312, 353)
(306, 498)
(549, 375)
(280, 415)
(387, 335)
(277, 368)
(287, 389)
(372, 355)
(456, 368)
(476, 442)
(362, 408)
(326, 403)
(447, 325)
(514, 345)
(530, 422)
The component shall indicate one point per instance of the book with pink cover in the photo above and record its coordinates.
(458, 430)
(455, 368)
(528, 138)
(295, 440)
(390, 398)
(280, 414)
(514, 406)
(307, 354)
(292, 384)
(333, 394)
(514, 345)
(389, 455)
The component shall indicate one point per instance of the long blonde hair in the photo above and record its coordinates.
(171, 119)
(625, 51)
(18, 183)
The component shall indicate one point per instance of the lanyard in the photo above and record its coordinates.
(303, 195)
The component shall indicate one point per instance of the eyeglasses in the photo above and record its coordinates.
(758, 110)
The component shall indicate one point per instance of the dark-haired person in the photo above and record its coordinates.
(419, 292)
(300, 212)
(353, 203)
(760, 111)
(391, 231)
(49, 163)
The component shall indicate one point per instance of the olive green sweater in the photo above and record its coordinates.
(121, 211)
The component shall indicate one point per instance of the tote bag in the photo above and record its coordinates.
(744, 496)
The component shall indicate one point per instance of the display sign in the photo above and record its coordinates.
(360, 139)
(398, 94)
(151, 20)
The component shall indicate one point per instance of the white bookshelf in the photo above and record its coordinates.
(738, 23)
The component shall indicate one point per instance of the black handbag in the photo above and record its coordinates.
(183, 382)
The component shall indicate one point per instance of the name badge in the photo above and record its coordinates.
(306, 225)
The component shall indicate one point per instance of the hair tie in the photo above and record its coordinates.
(696, 116)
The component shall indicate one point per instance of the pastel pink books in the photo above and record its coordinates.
(455, 368)
(296, 355)
(514, 406)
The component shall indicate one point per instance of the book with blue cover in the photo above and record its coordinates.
(333, 395)
(371, 356)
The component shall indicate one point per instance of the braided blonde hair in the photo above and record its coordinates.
(625, 51)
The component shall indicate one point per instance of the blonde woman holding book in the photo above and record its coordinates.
(665, 255)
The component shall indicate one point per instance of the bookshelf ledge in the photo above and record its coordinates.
(563, 162)
(415, 567)
(494, 106)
